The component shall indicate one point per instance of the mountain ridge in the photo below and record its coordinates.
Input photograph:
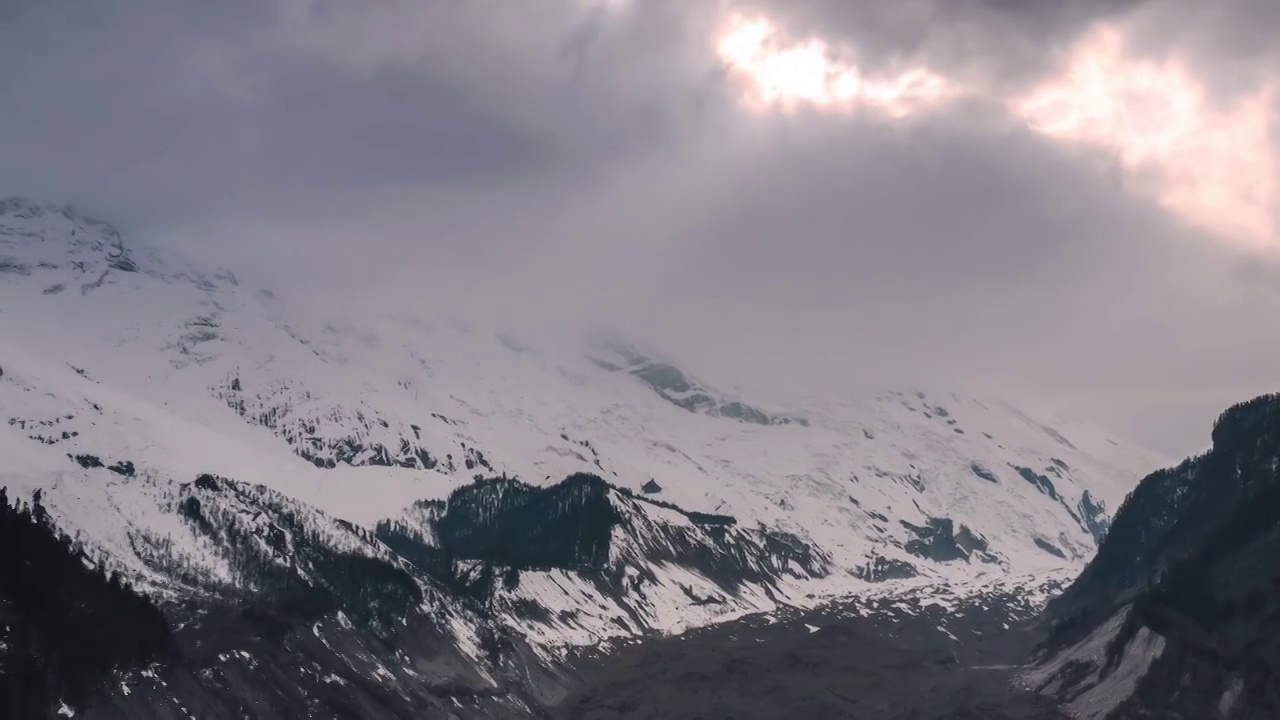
(1175, 615)
(182, 428)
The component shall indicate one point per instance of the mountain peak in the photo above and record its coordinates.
(38, 236)
(420, 470)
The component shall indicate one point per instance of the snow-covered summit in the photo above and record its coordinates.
(128, 373)
(37, 237)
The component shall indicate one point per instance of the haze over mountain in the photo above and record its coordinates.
(258, 471)
(490, 359)
(615, 161)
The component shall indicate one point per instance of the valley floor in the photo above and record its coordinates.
(829, 663)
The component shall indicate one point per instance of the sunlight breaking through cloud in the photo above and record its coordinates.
(1213, 167)
(780, 71)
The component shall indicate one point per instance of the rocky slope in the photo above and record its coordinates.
(885, 659)
(1177, 616)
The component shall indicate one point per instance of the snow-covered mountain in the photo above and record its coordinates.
(216, 445)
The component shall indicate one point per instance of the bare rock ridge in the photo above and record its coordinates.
(674, 386)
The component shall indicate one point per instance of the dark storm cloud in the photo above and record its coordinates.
(590, 161)
(200, 115)
(189, 110)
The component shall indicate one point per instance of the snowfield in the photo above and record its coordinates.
(128, 373)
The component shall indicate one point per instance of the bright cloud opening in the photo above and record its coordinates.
(1213, 167)
(779, 71)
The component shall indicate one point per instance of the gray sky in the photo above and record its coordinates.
(793, 214)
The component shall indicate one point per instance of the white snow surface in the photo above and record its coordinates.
(144, 366)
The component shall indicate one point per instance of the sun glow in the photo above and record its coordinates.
(779, 71)
(1214, 167)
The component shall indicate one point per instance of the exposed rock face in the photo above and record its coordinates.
(329, 436)
(677, 388)
(1094, 515)
(40, 237)
(1042, 483)
(1178, 615)
(1089, 513)
(880, 569)
(492, 530)
(1050, 548)
(278, 606)
(941, 542)
(982, 472)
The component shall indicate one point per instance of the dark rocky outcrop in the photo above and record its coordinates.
(124, 468)
(880, 569)
(65, 624)
(495, 528)
(941, 542)
(677, 388)
(87, 461)
(1093, 514)
(1089, 513)
(1041, 482)
(567, 525)
(1050, 548)
(983, 472)
(1190, 558)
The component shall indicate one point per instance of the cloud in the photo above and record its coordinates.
(1213, 164)
(785, 72)
(911, 211)
(980, 42)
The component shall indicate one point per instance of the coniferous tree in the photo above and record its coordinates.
(70, 623)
